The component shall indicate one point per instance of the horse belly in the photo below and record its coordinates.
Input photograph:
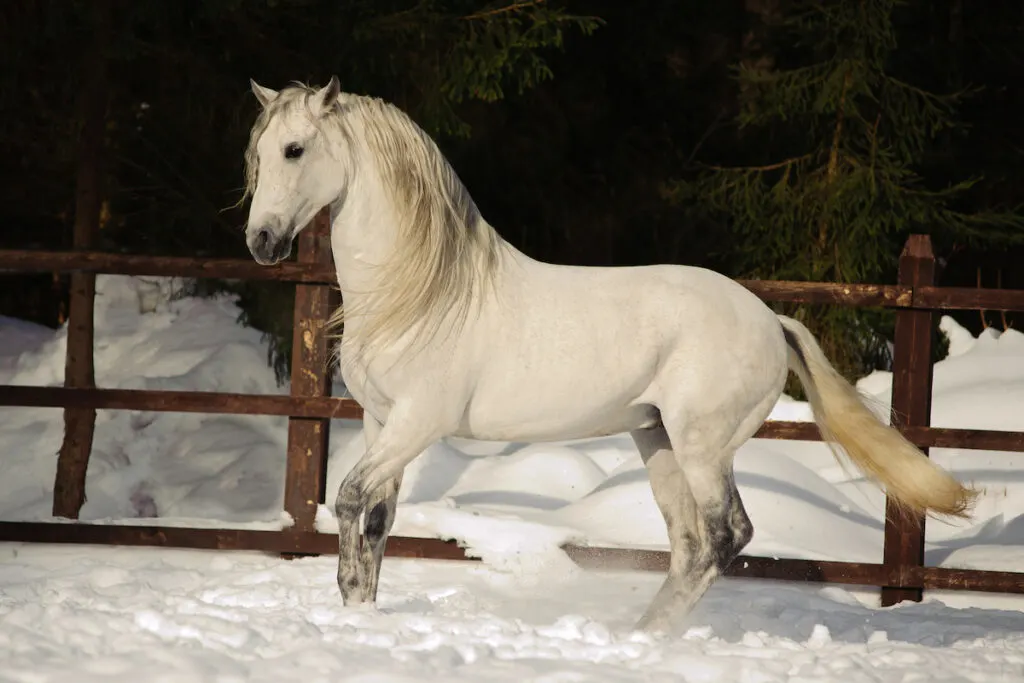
(552, 398)
(560, 424)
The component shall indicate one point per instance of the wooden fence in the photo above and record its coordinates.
(901, 574)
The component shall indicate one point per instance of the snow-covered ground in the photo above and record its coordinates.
(168, 616)
(525, 613)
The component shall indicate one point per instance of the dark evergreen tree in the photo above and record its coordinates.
(825, 183)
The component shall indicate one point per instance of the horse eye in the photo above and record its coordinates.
(293, 151)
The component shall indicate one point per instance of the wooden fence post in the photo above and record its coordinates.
(912, 407)
(308, 438)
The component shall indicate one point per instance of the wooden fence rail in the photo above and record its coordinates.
(901, 574)
(346, 409)
(887, 296)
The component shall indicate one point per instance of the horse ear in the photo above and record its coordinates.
(264, 95)
(329, 93)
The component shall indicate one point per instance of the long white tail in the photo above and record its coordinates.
(916, 483)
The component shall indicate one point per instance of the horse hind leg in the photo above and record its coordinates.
(705, 519)
(678, 507)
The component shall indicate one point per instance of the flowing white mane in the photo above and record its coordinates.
(445, 252)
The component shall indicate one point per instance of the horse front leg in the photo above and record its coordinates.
(380, 517)
(372, 485)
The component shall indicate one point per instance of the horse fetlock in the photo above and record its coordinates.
(742, 533)
(736, 532)
(724, 547)
(350, 585)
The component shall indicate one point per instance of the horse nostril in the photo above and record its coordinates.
(262, 238)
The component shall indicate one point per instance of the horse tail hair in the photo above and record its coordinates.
(847, 424)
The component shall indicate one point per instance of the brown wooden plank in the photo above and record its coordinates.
(830, 293)
(975, 439)
(892, 296)
(306, 543)
(180, 402)
(12, 260)
(341, 408)
(792, 431)
(15, 260)
(788, 569)
(818, 571)
(745, 566)
(308, 437)
(934, 437)
(286, 541)
(912, 406)
(946, 578)
(968, 298)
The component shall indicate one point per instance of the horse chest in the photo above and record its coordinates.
(364, 388)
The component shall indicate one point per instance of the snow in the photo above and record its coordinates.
(524, 613)
(170, 615)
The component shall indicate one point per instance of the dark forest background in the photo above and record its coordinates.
(786, 139)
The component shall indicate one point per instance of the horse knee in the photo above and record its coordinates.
(349, 502)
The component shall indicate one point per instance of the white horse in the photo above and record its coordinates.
(450, 331)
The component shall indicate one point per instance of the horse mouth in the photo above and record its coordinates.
(269, 250)
(271, 253)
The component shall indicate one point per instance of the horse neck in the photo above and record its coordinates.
(366, 234)
(363, 234)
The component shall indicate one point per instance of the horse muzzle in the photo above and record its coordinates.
(269, 246)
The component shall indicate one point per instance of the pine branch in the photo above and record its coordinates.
(760, 169)
(514, 7)
(930, 96)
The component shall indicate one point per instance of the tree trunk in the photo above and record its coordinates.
(956, 41)
(79, 423)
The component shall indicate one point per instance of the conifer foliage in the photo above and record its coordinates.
(825, 185)
(456, 50)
